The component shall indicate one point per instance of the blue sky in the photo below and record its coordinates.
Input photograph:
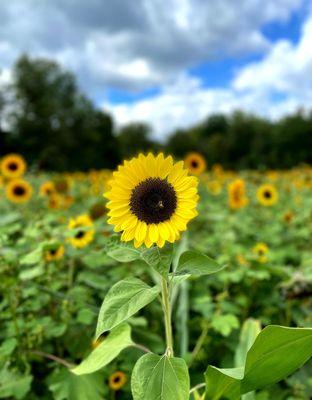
(170, 64)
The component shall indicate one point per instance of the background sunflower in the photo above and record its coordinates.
(267, 195)
(18, 191)
(83, 233)
(13, 166)
(195, 163)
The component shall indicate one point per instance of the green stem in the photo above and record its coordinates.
(167, 316)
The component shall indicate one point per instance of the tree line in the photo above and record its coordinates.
(56, 127)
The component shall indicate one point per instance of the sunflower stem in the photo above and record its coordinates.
(167, 316)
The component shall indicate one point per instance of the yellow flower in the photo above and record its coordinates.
(13, 166)
(261, 250)
(117, 380)
(97, 211)
(241, 259)
(195, 163)
(267, 195)
(47, 189)
(288, 216)
(151, 200)
(237, 194)
(83, 236)
(61, 184)
(54, 254)
(18, 191)
(214, 187)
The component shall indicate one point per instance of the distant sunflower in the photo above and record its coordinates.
(18, 191)
(54, 254)
(13, 166)
(83, 231)
(117, 380)
(195, 163)
(151, 200)
(214, 187)
(97, 211)
(237, 194)
(261, 251)
(288, 217)
(267, 195)
(47, 189)
(61, 184)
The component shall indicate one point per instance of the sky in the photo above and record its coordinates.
(170, 63)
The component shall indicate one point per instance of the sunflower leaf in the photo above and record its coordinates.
(118, 339)
(159, 259)
(196, 264)
(122, 301)
(121, 251)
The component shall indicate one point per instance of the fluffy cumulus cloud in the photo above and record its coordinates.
(132, 46)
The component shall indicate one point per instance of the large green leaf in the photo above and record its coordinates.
(276, 353)
(121, 251)
(123, 300)
(197, 264)
(66, 386)
(160, 378)
(250, 330)
(118, 339)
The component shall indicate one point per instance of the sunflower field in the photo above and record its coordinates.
(239, 260)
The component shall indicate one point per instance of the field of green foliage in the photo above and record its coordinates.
(53, 280)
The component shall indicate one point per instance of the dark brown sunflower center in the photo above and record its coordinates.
(53, 252)
(117, 379)
(267, 194)
(80, 234)
(19, 190)
(13, 166)
(194, 164)
(153, 200)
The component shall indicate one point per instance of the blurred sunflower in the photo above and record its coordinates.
(267, 195)
(55, 201)
(47, 189)
(54, 254)
(61, 184)
(151, 200)
(83, 232)
(214, 187)
(97, 211)
(261, 251)
(13, 166)
(237, 194)
(18, 191)
(195, 163)
(117, 380)
(288, 217)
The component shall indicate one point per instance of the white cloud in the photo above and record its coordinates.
(277, 85)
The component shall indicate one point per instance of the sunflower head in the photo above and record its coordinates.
(13, 166)
(117, 380)
(54, 254)
(61, 184)
(151, 200)
(261, 251)
(214, 187)
(195, 163)
(83, 231)
(267, 195)
(47, 189)
(97, 211)
(288, 217)
(237, 194)
(18, 191)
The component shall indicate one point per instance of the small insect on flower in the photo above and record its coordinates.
(84, 233)
(54, 254)
(117, 380)
(47, 189)
(267, 195)
(18, 191)
(151, 200)
(261, 251)
(195, 163)
(13, 166)
(237, 194)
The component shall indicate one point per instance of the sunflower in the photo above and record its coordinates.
(54, 254)
(151, 200)
(267, 195)
(214, 187)
(237, 194)
(195, 163)
(117, 380)
(18, 191)
(83, 232)
(261, 251)
(61, 184)
(13, 166)
(97, 211)
(47, 189)
(288, 217)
